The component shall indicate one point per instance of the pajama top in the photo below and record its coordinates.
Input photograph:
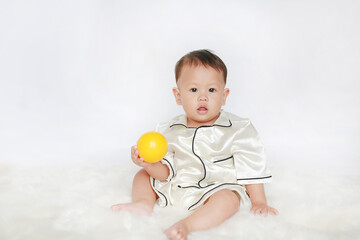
(206, 159)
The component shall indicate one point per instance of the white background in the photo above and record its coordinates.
(80, 81)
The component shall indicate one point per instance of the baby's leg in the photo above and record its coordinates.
(143, 196)
(220, 206)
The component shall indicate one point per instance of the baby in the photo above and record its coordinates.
(215, 159)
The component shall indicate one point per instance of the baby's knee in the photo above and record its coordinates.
(234, 200)
(142, 174)
(230, 198)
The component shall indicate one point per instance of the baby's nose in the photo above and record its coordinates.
(203, 97)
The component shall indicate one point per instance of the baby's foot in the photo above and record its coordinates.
(137, 208)
(178, 231)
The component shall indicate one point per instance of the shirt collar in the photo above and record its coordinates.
(223, 120)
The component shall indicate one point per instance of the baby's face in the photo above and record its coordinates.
(201, 91)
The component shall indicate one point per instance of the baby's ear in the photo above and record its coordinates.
(226, 94)
(177, 96)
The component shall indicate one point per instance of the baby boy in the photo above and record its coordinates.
(215, 159)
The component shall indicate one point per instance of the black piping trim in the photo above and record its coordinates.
(192, 148)
(202, 162)
(171, 167)
(198, 187)
(221, 160)
(218, 125)
(232, 184)
(188, 187)
(157, 191)
(179, 124)
(214, 125)
(244, 179)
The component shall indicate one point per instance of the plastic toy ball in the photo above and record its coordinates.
(152, 147)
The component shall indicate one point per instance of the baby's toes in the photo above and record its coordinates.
(274, 211)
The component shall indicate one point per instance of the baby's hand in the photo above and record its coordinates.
(137, 159)
(263, 209)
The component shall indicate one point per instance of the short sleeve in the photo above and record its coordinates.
(249, 156)
(168, 160)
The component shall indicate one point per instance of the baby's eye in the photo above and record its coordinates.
(193, 89)
(212, 90)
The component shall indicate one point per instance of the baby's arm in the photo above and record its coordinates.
(156, 170)
(258, 200)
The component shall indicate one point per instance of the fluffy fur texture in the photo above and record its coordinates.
(72, 202)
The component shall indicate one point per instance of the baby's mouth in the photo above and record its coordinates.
(202, 110)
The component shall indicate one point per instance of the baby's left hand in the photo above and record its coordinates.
(263, 209)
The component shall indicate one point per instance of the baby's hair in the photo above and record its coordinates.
(201, 57)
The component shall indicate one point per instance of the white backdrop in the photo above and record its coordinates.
(82, 80)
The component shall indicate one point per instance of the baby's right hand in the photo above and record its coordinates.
(137, 159)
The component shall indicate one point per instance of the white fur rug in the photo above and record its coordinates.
(72, 203)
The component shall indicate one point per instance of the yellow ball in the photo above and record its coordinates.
(152, 147)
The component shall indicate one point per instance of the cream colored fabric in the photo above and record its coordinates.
(206, 159)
